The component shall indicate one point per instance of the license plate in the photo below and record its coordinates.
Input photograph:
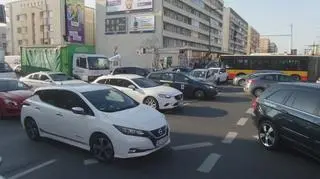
(162, 141)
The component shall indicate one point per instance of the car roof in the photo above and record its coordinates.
(203, 69)
(131, 67)
(127, 76)
(76, 87)
(47, 73)
(303, 85)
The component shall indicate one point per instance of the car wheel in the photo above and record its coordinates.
(152, 102)
(199, 94)
(102, 148)
(257, 92)
(32, 129)
(268, 135)
(241, 82)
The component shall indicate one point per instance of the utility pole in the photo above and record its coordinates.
(210, 36)
(291, 36)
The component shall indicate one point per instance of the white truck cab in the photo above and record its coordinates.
(88, 67)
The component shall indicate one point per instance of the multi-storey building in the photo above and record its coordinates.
(3, 37)
(273, 48)
(264, 45)
(235, 32)
(38, 22)
(180, 30)
(253, 41)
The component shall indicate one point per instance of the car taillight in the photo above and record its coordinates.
(254, 103)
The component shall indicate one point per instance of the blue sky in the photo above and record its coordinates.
(275, 17)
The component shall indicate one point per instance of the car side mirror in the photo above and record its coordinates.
(132, 87)
(78, 110)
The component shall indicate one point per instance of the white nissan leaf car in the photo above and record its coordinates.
(96, 118)
(145, 90)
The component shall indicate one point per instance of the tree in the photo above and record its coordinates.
(153, 44)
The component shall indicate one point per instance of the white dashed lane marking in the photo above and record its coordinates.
(229, 137)
(192, 146)
(26, 172)
(90, 162)
(209, 163)
(242, 121)
(249, 111)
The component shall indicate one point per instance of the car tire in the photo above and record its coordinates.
(257, 92)
(152, 102)
(101, 148)
(241, 82)
(199, 94)
(268, 135)
(32, 129)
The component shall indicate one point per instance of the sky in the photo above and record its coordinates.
(273, 17)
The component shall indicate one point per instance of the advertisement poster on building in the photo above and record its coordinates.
(128, 5)
(75, 20)
(142, 23)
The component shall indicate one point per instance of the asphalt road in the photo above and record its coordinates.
(210, 139)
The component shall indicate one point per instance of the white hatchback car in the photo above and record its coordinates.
(220, 74)
(42, 79)
(145, 90)
(96, 118)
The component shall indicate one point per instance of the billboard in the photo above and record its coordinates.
(75, 21)
(142, 23)
(128, 5)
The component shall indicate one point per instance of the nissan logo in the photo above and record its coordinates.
(160, 132)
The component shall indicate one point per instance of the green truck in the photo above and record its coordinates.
(79, 61)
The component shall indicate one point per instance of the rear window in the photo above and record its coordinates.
(279, 96)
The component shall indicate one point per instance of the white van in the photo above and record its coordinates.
(6, 71)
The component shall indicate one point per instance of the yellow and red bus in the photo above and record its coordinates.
(297, 66)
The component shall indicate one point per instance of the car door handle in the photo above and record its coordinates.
(58, 114)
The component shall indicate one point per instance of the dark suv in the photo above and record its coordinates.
(130, 70)
(289, 112)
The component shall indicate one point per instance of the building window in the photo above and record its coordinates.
(25, 42)
(4, 36)
(19, 30)
(20, 42)
(46, 14)
(21, 17)
(116, 25)
(25, 30)
(46, 41)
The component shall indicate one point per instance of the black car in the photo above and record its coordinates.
(191, 88)
(130, 70)
(289, 112)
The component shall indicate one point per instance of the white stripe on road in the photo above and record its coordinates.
(186, 104)
(249, 111)
(230, 137)
(242, 121)
(22, 174)
(209, 163)
(90, 162)
(192, 146)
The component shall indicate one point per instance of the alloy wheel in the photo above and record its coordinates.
(267, 135)
(102, 149)
(151, 102)
(241, 82)
(32, 129)
(258, 92)
(199, 94)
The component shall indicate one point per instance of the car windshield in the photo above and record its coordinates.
(110, 100)
(60, 77)
(145, 83)
(4, 67)
(12, 85)
(98, 63)
(199, 74)
(214, 71)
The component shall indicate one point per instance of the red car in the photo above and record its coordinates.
(12, 95)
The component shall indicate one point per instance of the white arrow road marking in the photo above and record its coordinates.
(249, 111)
(192, 146)
(229, 137)
(209, 163)
(242, 121)
(24, 173)
(90, 162)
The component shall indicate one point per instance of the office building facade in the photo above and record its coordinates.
(264, 45)
(169, 29)
(235, 32)
(253, 41)
(37, 22)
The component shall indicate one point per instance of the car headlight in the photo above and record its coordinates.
(10, 102)
(130, 131)
(164, 96)
(209, 86)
